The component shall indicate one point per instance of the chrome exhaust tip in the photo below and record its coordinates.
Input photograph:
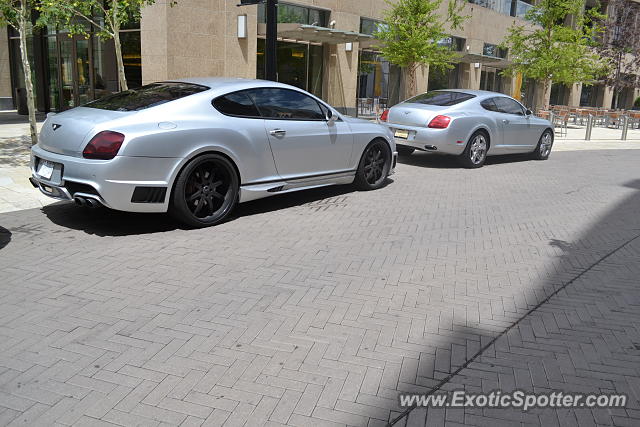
(92, 203)
(79, 201)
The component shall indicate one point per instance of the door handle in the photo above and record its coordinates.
(278, 132)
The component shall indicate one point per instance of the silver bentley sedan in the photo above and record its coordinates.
(470, 124)
(196, 147)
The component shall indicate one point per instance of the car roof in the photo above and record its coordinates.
(228, 84)
(476, 92)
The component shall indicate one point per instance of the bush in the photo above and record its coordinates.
(636, 105)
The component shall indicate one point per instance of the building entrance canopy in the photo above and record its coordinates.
(315, 34)
(483, 59)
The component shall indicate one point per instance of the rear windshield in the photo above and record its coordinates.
(146, 96)
(441, 98)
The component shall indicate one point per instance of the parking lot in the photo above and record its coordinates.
(318, 308)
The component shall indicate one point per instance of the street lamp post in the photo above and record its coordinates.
(271, 72)
(271, 61)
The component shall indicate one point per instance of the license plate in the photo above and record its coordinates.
(45, 169)
(401, 133)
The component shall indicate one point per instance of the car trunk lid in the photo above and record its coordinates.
(410, 114)
(66, 133)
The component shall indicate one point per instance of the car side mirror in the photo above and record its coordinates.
(528, 112)
(331, 118)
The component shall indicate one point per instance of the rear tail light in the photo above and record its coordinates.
(439, 122)
(103, 146)
(384, 116)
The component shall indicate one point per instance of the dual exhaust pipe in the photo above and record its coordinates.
(87, 202)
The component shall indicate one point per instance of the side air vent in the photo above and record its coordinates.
(149, 195)
(275, 189)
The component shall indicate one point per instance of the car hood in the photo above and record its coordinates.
(66, 133)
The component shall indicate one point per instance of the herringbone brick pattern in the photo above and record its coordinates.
(318, 308)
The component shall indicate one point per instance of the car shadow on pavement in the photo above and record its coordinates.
(574, 331)
(439, 161)
(107, 222)
(289, 200)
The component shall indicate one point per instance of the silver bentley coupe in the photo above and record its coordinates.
(470, 124)
(196, 147)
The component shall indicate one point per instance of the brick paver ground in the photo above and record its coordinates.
(318, 308)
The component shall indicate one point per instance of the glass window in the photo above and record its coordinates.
(52, 52)
(488, 104)
(132, 57)
(454, 43)
(146, 96)
(236, 104)
(440, 78)
(509, 106)
(294, 14)
(441, 98)
(371, 26)
(274, 103)
(299, 65)
(494, 51)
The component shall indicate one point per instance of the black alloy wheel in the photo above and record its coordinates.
(206, 191)
(374, 166)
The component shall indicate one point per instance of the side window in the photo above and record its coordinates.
(488, 104)
(236, 104)
(285, 104)
(509, 106)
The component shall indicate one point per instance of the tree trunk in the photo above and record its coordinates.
(411, 87)
(546, 93)
(122, 79)
(23, 25)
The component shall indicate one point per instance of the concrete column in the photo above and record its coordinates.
(509, 85)
(574, 95)
(197, 39)
(341, 67)
(6, 99)
(470, 76)
(607, 97)
(153, 42)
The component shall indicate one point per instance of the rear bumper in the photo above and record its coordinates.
(111, 182)
(443, 141)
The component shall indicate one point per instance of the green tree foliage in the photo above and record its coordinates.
(413, 32)
(559, 47)
(107, 17)
(17, 14)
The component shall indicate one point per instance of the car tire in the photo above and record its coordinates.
(404, 150)
(543, 149)
(475, 153)
(205, 192)
(374, 166)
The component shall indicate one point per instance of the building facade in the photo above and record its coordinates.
(324, 46)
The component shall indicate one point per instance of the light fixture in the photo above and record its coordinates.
(242, 26)
(348, 47)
